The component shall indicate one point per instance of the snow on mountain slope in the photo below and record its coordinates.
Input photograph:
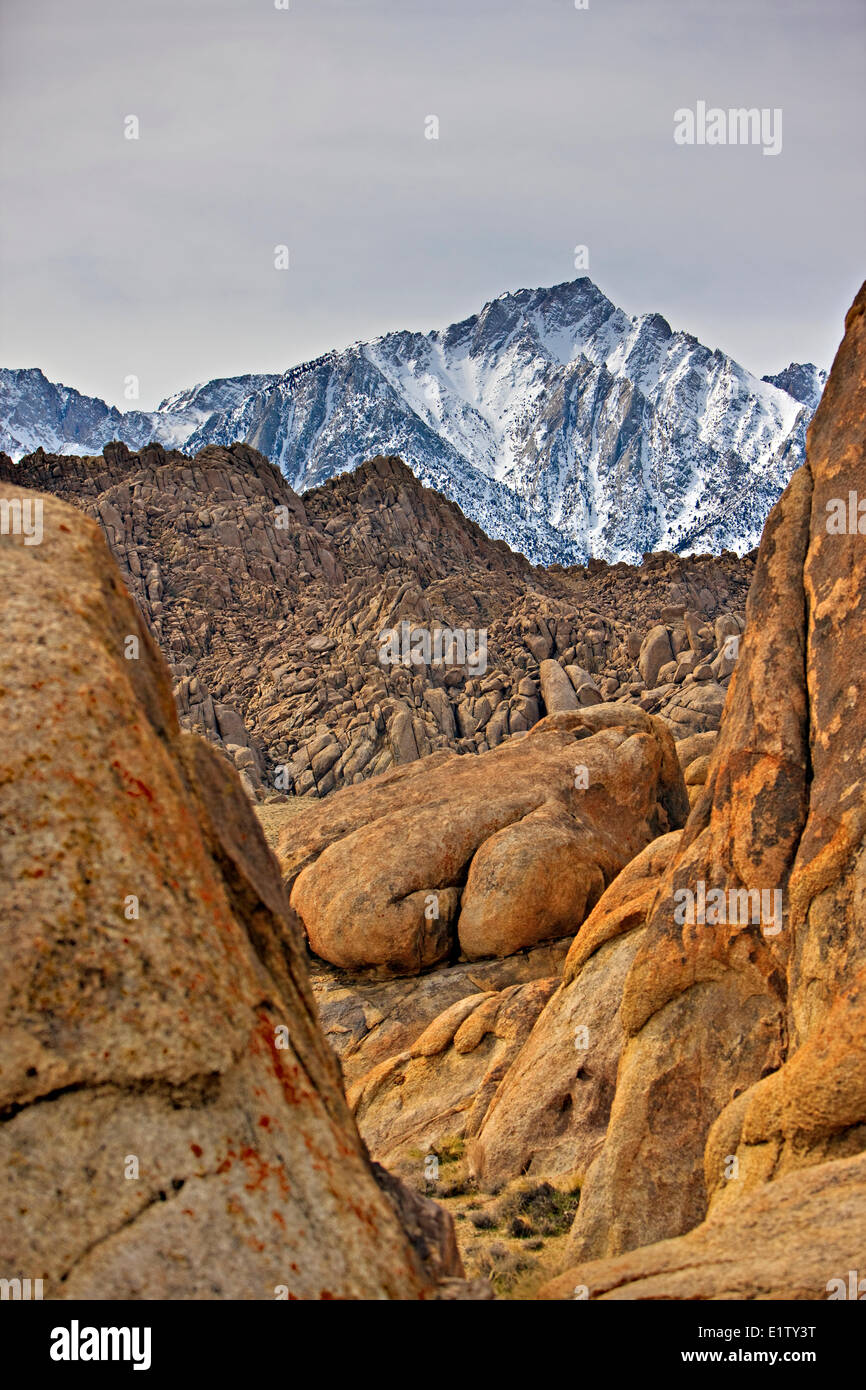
(802, 380)
(553, 419)
(35, 411)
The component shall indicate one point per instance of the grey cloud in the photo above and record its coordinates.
(260, 127)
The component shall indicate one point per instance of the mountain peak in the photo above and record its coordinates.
(802, 380)
(555, 420)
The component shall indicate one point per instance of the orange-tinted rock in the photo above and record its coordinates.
(440, 1087)
(366, 1021)
(487, 855)
(754, 1032)
(174, 1125)
(798, 1238)
(549, 1116)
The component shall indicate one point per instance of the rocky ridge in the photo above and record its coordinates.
(270, 610)
(555, 420)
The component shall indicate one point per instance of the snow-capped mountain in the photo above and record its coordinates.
(555, 420)
(802, 380)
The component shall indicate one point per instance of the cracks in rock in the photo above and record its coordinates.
(109, 1235)
(163, 1194)
(8, 1112)
(199, 1089)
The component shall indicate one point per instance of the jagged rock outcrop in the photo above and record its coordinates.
(297, 629)
(742, 1086)
(171, 1119)
(482, 856)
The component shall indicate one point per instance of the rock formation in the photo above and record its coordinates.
(274, 610)
(439, 1088)
(741, 1091)
(549, 1116)
(485, 856)
(368, 1020)
(172, 1123)
(795, 1238)
(582, 902)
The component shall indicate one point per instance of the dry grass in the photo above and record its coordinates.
(514, 1237)
(272, 816)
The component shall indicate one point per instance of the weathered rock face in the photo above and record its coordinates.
(173, 1124)
(417, 1079)
(746, 1055)
(814, 1107)
(275, 614)
(557, 690)
(439, 1089)
(484, 856)
(655, 652)
(366, 1021)
(549, 1116)
(796, 1238)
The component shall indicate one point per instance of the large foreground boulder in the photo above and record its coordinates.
(173, 1123)
(481, 856)
(744, 1009)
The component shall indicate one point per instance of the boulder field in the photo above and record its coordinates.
(308, 636)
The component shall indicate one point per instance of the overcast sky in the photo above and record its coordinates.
(306, 127)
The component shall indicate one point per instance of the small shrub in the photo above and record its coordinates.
(483, 1220)
(539, 1209)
